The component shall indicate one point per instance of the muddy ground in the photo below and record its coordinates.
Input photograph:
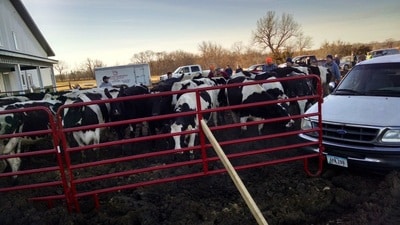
(284, 193)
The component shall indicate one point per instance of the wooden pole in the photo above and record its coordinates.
(234, 176)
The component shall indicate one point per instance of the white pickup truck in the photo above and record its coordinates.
(187, 71)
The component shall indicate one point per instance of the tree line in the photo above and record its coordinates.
(276, 36)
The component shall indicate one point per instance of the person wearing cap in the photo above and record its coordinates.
(289, 62)
(269, 66)
(106, 82)
(333, 68)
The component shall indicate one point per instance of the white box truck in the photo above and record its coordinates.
(132, 74)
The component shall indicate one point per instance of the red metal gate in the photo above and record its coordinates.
(118, 165)
(44, 168)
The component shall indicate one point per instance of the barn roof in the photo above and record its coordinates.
(26, 17)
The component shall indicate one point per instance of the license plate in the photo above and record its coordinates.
(338, 161)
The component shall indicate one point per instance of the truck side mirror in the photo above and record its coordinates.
(332, 86)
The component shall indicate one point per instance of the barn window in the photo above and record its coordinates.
(23, 79)
(15, 40)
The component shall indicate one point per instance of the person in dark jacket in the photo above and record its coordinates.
(333, 68)
(228, 70)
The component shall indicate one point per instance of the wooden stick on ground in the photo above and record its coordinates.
(234, 176)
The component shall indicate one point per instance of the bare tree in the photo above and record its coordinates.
(303, 42)
(90, 65)
(143, 57)
(60, 67)
(273, 32)
(212, 54)
(389, 43)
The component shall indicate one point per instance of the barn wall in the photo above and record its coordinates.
(46, 77)
(14, 33)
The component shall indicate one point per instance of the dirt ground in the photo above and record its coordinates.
(284, 194)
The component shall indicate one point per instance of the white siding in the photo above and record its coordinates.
(11, 24)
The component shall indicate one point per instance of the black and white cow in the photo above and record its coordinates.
(187, 103)
(12, 99)
(252, 94)
(22, 122)
(90, 114)
(290, 88)
(130, 109)
(182, 85)
(324, 75)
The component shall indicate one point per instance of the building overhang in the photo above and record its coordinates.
(9, 59)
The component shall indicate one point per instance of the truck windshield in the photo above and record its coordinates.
(372, 80)
(178, 70)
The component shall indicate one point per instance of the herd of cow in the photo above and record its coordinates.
(146, 104)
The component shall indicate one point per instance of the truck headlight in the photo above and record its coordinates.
(307, 124)
(391, 136)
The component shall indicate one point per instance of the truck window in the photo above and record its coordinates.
(195, 69)
(185, 69)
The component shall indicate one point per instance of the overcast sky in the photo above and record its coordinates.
(113, 30)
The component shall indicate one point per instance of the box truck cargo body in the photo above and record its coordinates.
(132, 74)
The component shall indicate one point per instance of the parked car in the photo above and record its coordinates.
(385, 51)
(305, 60)
(346, 63)
(257, 68)
(321, 62)
(360, 118)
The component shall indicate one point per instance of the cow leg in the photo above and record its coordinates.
(10, 146)
(221, 117)
(15, 164)
(260, 126)
(302, 105)
(243, 120)
(192, 138)
(3, 165)
(96, 140)
(177, 140)
(235, 117)
(215, 118)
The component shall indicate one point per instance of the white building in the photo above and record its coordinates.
(25, 65)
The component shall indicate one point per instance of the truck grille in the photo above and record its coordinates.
(348, 133)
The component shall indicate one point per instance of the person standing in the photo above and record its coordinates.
(289, 62)
(333, 68)
(169, 75)
(337, 59)
(106, 82)
(354, 59)
(238, 69)
(269, 66)
(228, 70)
